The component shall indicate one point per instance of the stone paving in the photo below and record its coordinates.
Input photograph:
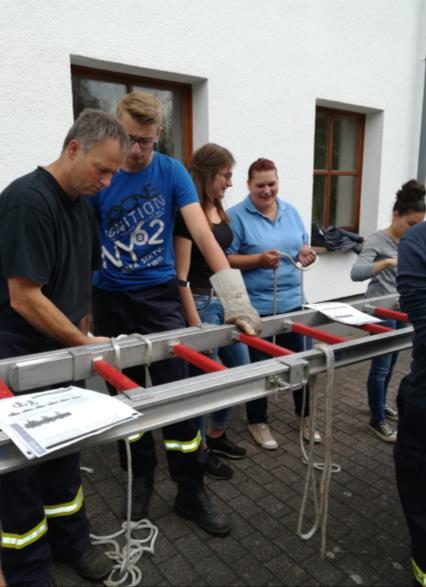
(367, 542)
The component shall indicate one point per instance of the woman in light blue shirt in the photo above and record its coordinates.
(263, 225)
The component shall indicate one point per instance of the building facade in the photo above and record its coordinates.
(332, 91)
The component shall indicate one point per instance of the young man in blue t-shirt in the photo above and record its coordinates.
(136, 291)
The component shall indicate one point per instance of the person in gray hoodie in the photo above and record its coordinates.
(377, 262)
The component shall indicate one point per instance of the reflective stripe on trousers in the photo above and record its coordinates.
(185, 446)
(135, 437)
(19, 541)
(419, 575)
(65, 509)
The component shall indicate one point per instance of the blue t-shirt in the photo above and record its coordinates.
(255, 233)
(136, 216)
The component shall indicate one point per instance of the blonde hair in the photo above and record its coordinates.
(143, 107)
(205, 163)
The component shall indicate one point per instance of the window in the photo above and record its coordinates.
(339, 139)
(94, 88)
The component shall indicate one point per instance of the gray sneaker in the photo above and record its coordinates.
(262, 435)
(391, 414)
(383, 431)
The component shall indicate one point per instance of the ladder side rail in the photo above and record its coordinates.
(173, 402)
(54, 367)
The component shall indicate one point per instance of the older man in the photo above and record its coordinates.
(48, 250)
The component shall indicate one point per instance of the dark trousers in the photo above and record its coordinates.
(41, 507)
(257, 410)
(410, 468)
(42, 513)
(154, 309)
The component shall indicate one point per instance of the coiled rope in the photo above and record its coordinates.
(320, 495)
(125, 570)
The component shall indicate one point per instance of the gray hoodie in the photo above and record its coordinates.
(377, 247)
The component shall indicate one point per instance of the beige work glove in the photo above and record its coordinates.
(231, 291)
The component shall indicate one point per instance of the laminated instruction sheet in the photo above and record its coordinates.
(43, 422)
(343, 313)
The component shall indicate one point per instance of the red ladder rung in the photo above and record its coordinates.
(4, 390)
(197, 359)
(375, 328)
(113, 376)
(316, 333)
(267, 347)
(392, 314)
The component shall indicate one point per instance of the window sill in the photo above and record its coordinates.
(321, 250)
(325, 251)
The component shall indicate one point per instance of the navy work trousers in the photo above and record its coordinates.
(145, 311)
(410, 467)
(257, 410)
(41, 507)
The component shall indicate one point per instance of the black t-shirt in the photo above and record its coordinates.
(199, 271)
(50, 239)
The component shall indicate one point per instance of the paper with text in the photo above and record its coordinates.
(43, 422)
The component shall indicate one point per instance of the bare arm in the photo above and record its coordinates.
(84, 324)
(27, 299)
(269, 259)
(198, 226)
(183, 248)
(306, 255)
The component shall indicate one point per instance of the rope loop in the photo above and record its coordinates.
(148, 356)
(320, 494)
(125, 570)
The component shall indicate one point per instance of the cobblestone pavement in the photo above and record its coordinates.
(367, 541)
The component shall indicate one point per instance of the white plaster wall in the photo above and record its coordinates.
(258, 68)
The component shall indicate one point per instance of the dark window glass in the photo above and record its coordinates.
(99, 89)
(88, 93)
(342, 204)
(320, 140)
(318, 203)
(339, 138)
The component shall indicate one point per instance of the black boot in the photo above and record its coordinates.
(142, 489)
(92, 564)
(192, 502)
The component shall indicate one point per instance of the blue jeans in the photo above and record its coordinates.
(257, 410)
(210, 310)
(378, 379)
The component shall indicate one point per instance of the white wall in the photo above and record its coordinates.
(258, 67)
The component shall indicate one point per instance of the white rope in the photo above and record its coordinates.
(318, 465)
(274, 297)
(148, 357)
(320, 495)
(298, 265)
(125, 570)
